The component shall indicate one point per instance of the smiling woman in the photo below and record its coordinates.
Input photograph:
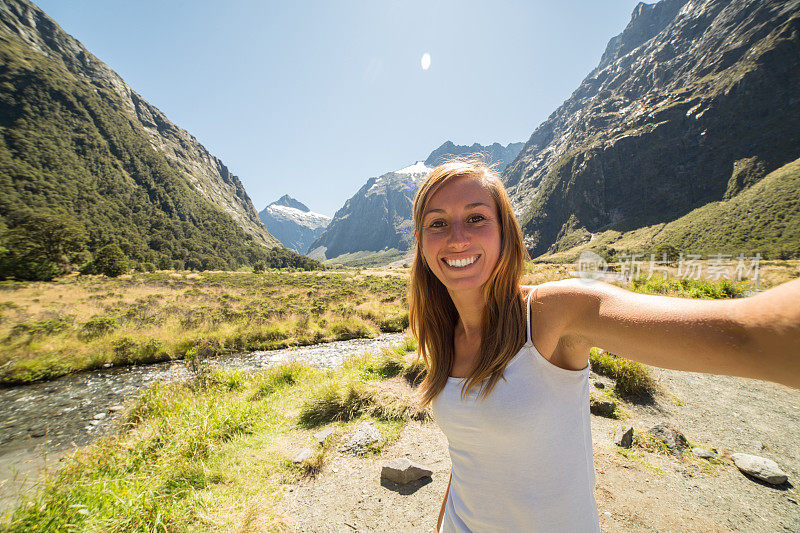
(507, 365)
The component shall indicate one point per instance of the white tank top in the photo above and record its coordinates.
(522, 457)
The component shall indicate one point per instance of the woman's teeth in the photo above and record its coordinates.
(461, 262)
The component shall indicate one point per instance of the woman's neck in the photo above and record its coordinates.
(469, 306)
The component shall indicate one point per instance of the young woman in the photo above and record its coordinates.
(508, 365)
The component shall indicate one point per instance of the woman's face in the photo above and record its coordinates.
(461, 234)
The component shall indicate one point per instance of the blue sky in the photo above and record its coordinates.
(313, 98)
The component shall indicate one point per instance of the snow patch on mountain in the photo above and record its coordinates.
(308, 219)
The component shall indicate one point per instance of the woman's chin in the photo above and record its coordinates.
(466, 283)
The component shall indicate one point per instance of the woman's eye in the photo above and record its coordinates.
(476, 218)
(436, 224)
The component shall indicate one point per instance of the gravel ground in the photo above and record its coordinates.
(658, 493)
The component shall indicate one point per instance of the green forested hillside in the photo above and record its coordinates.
(68, 148)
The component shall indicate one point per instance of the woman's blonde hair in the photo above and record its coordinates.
(433, 315)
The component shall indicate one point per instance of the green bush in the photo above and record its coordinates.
(97, 326)
(110, 260)
(632, 379)
(40, 246)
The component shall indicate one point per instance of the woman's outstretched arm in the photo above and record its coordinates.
(756, 337)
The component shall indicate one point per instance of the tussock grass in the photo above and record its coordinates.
(79, 323)
(337, 400)
(632, 379)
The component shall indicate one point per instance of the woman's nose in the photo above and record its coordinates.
(458, 237)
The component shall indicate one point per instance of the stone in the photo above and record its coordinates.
(403, 470)
(116, 408)
(623, 436)
(599, 384)
(760, 467)
(358, 443)
(602, 407)
(670, 436)
(703, 453)
(100, 416)
(302, 455)
(322, 435)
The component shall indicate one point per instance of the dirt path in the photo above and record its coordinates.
(661, 493)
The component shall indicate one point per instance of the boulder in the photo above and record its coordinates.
(302, 455)
(358, 443)
(670, 436)
(403, 470)
(322, 435)
(623, 436)
(759, 467)
(602, 406)
(703, 453)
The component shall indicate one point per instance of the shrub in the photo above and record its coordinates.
(110, 261)
(124, 350)
(632, 378)
(97, 326)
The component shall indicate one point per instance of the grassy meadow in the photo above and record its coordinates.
(48, 329)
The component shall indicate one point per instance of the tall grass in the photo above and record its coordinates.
(78, 323)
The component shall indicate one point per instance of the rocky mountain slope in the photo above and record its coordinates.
(378, 216)
(78, 139)
(693, 102)
(495, 154)
(292, 223)
(764, 219)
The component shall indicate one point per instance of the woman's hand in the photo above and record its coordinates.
(756, 337)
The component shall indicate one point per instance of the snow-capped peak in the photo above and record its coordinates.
(416, 168)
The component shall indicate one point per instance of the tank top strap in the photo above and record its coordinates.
(528, 323)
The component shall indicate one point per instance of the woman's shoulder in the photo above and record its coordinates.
(556, 289)
(561, 298)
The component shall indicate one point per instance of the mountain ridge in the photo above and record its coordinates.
(293, 223)
(692, 102)
(207, 174)
(78, 142)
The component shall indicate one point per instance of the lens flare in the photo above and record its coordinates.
(425, 61)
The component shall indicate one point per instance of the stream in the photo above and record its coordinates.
(41, 421)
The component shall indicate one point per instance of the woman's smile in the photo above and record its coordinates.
(460, 262)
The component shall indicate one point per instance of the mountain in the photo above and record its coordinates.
(292, 223)
(495, 154)
(378, 217)
(77, 141)
(694, 102)
(763, 218)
